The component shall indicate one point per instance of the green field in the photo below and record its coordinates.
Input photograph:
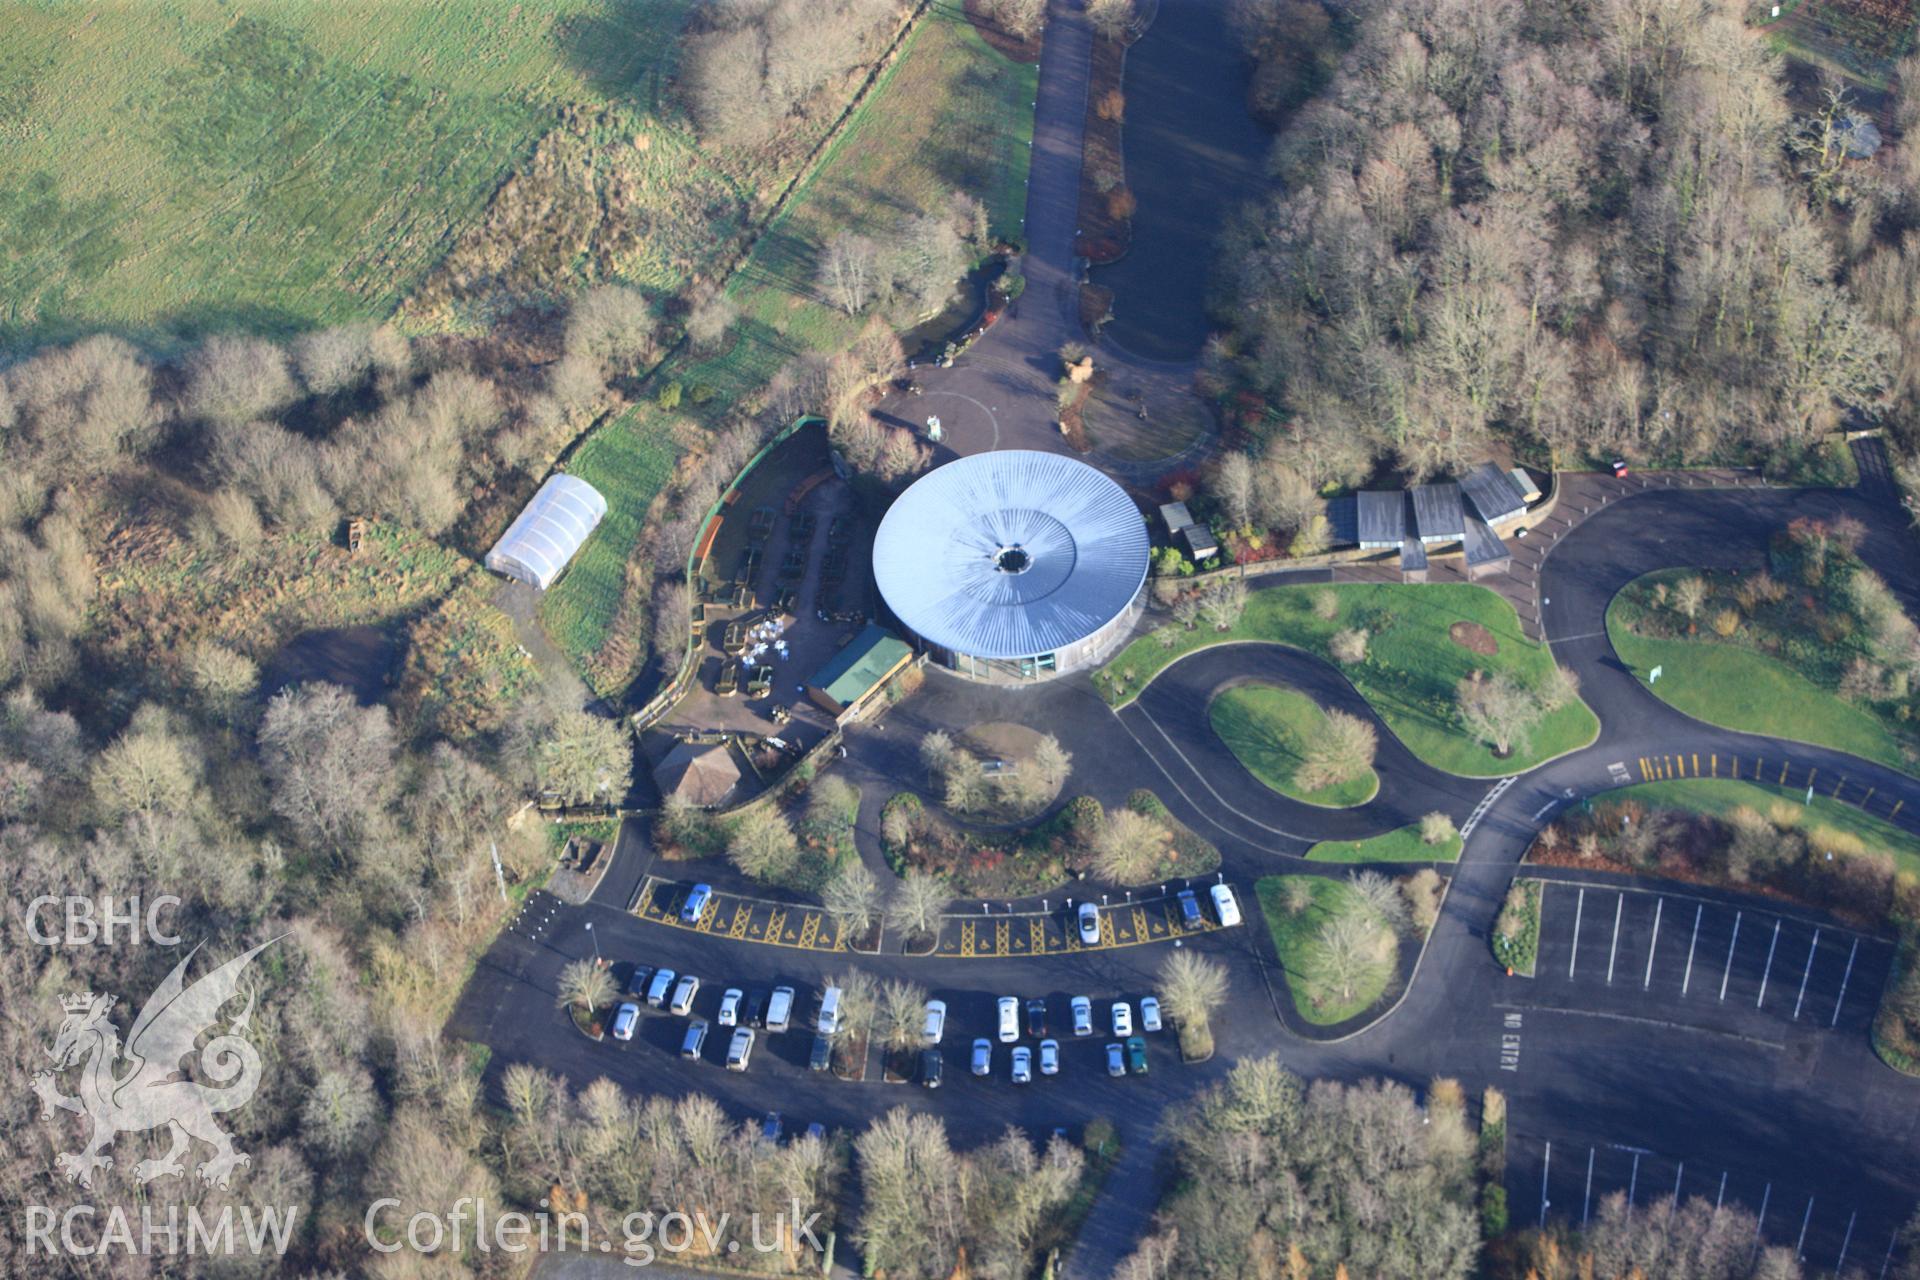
(1401, 845)
(1297, 939)
(1720, 796)
(1269, 730)
(1726, 685)
(180, 165)
(1411, 668)
(949, 113)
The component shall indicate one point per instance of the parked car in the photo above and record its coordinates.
(1023, 1065)
(684, 993)
(1224, 906)
(624, 1020)
(780, 1009)
(1049, 1057)
(695, 1040)
(1089, 924)
(772, 1127)
(1036, 1018)
(1116, 1064)
(729, 1015)
(1122, 1018)
(1189, 909)
(1149, 1013)
(822, 1056)
(982, 1056)
(637, 984)
(1082, 1016)
(697, 899)
(660, 988)
(1009, 1019)
(756, 1009)
(930, 1068)
(740, 1052)
(1137, 1055)
(936, 1024)
(817, 1130)
(828, 1020)
(1620, 468)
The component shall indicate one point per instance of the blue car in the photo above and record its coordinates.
(696, 903)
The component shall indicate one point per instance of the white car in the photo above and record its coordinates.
(1082, 1016)
(982, 1057)
(1023, 1065)
(1224, 906)
(729, 1014)
(936, 1025)
(624, 1020)
(1122, 1018)
(1149, 1013)
(1009, 1019)
(1089, 924)
(684, 993)
(1049, 1057)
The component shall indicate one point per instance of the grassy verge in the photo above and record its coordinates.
(1297, 936)
(1270, 730)
(1401, 845)
(1412, 667)
(1720, 796)
(1516, 933)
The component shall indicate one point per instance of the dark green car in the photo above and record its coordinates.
(1136, 1055)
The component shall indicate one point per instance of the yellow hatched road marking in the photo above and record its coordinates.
(1696, 764)
(966, 938)
(742, 920)
(1037, 936)
(645, 904)
(776, 921)
(1783, 773)
(1002, 943)
(809, 930)
(1106, 928)
(708, 914)
(1713, 763)
(1643, 770)
(1140, 929)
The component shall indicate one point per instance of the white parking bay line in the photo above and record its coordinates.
(1586, 1201)
(1804, 976)
(1730, 946)
(1768, 971)
(1647, 981)
(1613, 951)
(1760, 1223)
(1545, 1165)
(1579, 905)
(1688, 980)
(1843, 983)
(1800, 1245)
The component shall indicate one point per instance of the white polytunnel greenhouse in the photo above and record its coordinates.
(544, 536)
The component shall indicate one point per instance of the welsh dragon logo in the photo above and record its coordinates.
(140, 1087)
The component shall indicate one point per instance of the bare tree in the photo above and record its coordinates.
(332, 360)
(1437, 828)
(1689, 594)
(1343, 750)
(1192, 987)
(762, 844)
(1021, 18)
(672, 621)
(1110, 18)
(586, 758)
(902, 1013)
(1348, 646)
(232, 379)
(586, 986)
(1500, 711)
(917, 903)
(1224, 601)
(612, 325)
(1128, 847)
(1233, 481)
(1349, 949)
(330, 761)
(852, 899)
(937, 753)
(1379, 896)
(849, 269)
(709, 321)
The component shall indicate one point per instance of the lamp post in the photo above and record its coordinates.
(598, 963)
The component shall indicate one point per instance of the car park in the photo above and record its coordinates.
(1122, 1018)
(772, 1127)
(1049, 1057)
(684, 993)
(1149, 1013)
(1089, 924)
(1023, 1065)
(1224, 905)
(1116, 1064)
(756, 1009)
(624, 1019)
(660, 988)
(740, 1052)
(695, 1040)
(930, 1068)
(1009, 1019)
(982, 1056)
(936, 1023)
(1082, 1016)
(1036, 1018)
(828, 1020)
(780, 1009)
(637, 984)
(1137, 1055)
(822, 1056)
(1189, 909)
(729, 1015)
(696, 903)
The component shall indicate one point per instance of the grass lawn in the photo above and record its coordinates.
(1719, 796)
(182, 165)
(1413, 663)
(1297, 939)
(1402, 845)
(1740, 688)
(1269, 729)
